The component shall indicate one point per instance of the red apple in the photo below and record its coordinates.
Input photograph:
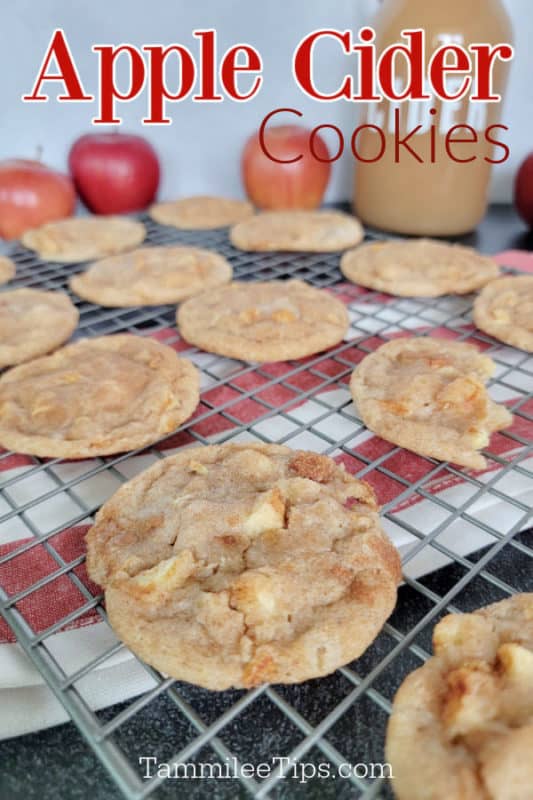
(297, 184)
(114, 173)
(30, 195)
(523, 190)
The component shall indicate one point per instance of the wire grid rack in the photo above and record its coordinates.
(336, 720)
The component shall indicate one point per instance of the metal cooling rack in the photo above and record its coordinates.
(341, 718)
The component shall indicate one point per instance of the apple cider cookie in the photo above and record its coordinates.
(418, 268)
(151, 276)
(429, 396)
(201, 212)
(462, 725)
(96, 397)
(270, 321)
(307, 231)
(32, 323)
(504, 309)
(83, 238)
(233, 565)
(7, 269)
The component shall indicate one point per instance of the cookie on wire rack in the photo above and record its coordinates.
(151, 276)
(231, 565)
(263, 321)
(429, 396)
(84, 238)
(462, 724)
(201, 212)
(302, 231)
(504, 309)
(96, 397)
(418, 268)
(33, 322)
(7, 269)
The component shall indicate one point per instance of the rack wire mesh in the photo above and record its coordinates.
(467, 525)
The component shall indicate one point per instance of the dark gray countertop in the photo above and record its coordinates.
(56, 763)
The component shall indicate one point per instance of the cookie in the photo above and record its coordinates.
(7, 269)
(234, 565)
(33, 323)
(271, 321)
(504, 309)
(462, 725)
(311, 231)
(151, 276)
(201, 212)
(418, 268)
(96, 397)
(429, 396)
(84, 238)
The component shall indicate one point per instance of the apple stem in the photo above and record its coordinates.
(39, 153)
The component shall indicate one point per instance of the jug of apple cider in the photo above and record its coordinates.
(435, 155)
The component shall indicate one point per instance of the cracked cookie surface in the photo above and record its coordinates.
(270, 321)
(233, 565)
(429, 396)
(462, 725)
(84, 238)
(33, 323)
(418, 268)
(95, 397)
(201, 212)
(7, 269)
(504, 309)
(306, 231)
(151, 276)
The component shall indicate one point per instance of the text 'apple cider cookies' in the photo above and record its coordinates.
(33, 323)
(269, 321)
(84, 238)
(201, 212)
(504, 309)
(429, 396)
(96, 397)
(306, 231)
(233, 565)
(462, 725)
(151, 276)
(418, 268)
(7, 269)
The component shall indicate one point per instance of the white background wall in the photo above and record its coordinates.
(200, 151)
